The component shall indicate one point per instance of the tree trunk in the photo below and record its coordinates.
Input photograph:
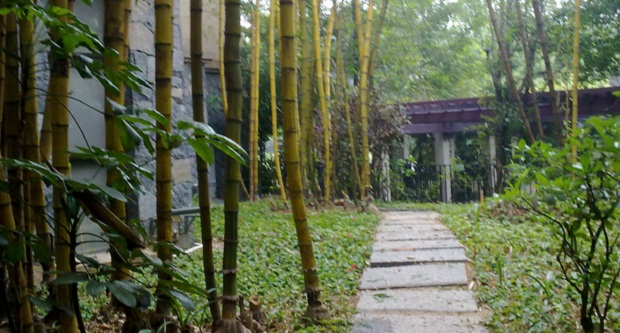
(509, 76)
(204, 201)
(555, 108)
(163, 104)
(253, 99)
(529, 76)
(272, 89)
(288, 63)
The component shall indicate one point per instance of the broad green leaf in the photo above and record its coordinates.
(123, 293)
(185, 300)
(202, 149)
(94, 288)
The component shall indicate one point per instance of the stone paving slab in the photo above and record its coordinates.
(398, 258)
(416, 301)
(366, 323)
(418, 244)
(425, 275)
(414, 235)
(411, 228)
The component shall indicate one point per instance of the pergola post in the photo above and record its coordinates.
(444, 152)
(492, 163)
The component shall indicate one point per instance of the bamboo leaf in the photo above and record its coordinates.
(202, 149)
(123, 293)
(185, 300)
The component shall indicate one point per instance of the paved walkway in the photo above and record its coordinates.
(417, 279)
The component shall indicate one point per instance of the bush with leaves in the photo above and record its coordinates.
(578, 195)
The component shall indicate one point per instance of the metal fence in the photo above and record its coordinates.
(437, 183)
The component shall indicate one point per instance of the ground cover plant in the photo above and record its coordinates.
(269, 264)
(517, 277)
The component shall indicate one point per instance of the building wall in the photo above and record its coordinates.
(88, 124)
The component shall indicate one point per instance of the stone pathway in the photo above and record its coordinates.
(417, 279)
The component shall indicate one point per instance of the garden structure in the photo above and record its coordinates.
(443, 119)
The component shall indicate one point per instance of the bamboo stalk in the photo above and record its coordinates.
(272, 90)
(59, 91)
(234, 90)
(115, 39)
(36, 197)
(288, 65)
(322, 101)
(256, 95)
(220, 43)
(347, 108)
(163, 103)
(575, 92)
(376, 40)
(204, 201)
(364, 99)
(253, 99)
(305, 98)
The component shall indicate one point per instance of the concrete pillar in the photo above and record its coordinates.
(492, 163)
(406, 146)
(444, 152)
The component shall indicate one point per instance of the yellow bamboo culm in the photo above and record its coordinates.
(253, 99)
(202, 168)
(163, 103)
(364, 99)
(220, 44)
(575, 92)
(10, 102)
(115, 39)
(234, 91)
(305, 100)
(256, 93)
(272, 90)
(340, 72)
(322, 101)
(59, 92)
(288, 65)
(36, 197)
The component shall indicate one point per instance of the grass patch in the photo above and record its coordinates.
(270, 267)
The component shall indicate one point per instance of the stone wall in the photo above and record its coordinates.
(142, 54)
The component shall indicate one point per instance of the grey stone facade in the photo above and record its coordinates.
(87, 125)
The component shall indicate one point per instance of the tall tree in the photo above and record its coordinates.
(272, 90)
(529, 68)
(288, 65)
(202, 168)
(512, 86)
(163, 104)
(555, 108)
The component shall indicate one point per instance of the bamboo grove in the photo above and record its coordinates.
(320, 116)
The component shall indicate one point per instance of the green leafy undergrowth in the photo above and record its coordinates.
(515, 267)
(270, 267)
